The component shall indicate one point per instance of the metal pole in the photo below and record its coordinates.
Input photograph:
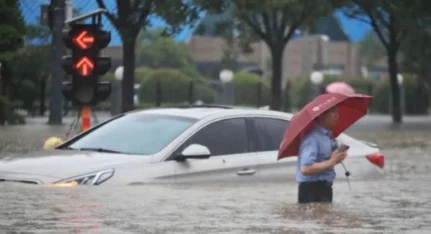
(191, 92)
(69, 10)
(56, 98)
(158, 93)
(403, 99)
(259, 94)
(68, 16)
(116, 98)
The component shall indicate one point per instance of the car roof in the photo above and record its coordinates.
(201, 112)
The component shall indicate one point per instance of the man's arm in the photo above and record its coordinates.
(308, 154)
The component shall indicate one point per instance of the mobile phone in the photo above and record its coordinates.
(343, 148)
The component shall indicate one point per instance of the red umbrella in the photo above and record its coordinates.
(351, 107)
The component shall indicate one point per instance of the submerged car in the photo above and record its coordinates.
(179, 145)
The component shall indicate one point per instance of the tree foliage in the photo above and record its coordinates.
(12, 29)
(11, 39)
(134, 15)
(330, 26)
(416, 49)
(157, 51)
(392, 20)
(275, 22)
(371, 49)
(237, 35)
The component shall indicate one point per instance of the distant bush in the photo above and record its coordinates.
(141, 73)
(247, 87)
(300, 91)
(9, 115)
(301, 88)
(416, 96)
(361, 85)
(174, 87)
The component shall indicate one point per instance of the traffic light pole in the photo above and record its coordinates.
(56, 97)
(85, 64)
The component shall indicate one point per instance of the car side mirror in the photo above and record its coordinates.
(194, 151)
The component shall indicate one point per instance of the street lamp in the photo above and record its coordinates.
(324, 38)
(400, 80)
(316, 79)
(227, 95)
(116, 97)
(119, 73)
(226, 76)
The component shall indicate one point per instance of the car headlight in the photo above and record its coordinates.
(95, 178)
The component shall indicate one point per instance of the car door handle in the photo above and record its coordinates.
(245, 172)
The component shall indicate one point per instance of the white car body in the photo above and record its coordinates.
(53, 166)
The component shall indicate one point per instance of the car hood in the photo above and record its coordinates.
(62, 164)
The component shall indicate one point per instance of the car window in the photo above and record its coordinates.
(143, 134)
(222, 137)
(268, 133)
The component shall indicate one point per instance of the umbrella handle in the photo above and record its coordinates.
(347, 175)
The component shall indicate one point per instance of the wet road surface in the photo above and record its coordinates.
(399, 203)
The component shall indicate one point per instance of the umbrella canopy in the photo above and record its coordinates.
(339, 87)
(351, 107)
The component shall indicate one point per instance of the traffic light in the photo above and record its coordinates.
(85, 65)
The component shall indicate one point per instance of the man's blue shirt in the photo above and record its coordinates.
(316, 146)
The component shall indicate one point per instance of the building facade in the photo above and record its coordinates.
(301, 56)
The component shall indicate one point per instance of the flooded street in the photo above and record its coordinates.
(399, 203)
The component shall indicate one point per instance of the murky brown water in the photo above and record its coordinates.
(400, 203)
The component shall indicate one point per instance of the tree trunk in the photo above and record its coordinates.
(128, 82)
(395, 88)
(277, 66)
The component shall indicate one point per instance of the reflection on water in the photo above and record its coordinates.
(400, 203)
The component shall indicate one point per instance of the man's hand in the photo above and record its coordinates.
(337, 157)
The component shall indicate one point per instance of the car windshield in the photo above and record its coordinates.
(142, 134)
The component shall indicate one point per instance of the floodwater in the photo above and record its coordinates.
(398, 203)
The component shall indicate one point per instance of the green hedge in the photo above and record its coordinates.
(10, 117)
(416, 93)
(174, 86)
(300, 92)
(141, 73)
(247, 87)
(416, 96)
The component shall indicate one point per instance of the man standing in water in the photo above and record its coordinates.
(317, 157)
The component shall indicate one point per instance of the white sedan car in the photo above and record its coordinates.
(178, 145)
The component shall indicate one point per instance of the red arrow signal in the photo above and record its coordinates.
(84, 66)
(84, 40)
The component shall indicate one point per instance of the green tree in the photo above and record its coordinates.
(30, 83)
(133, 15)
(371, 49)
(11, 39)
(416, 54)
(392, 20)
(330, 26)
(157, 51)
(275, 22)
(226, 26)
(36, 60)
